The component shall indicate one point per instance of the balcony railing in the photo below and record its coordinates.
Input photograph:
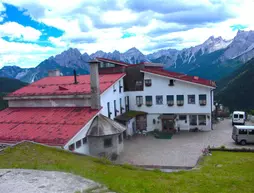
(202, 102)
(170, 103)
(180, 103)
(149, 103)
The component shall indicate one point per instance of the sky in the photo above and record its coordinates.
(33, 30)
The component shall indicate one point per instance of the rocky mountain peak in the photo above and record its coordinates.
(133, 50)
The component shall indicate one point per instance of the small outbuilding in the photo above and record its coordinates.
(105, 137)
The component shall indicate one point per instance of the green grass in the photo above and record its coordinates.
(221, 172)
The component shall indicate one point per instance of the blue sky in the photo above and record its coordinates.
(31, 31)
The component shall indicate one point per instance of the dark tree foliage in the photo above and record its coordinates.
(237, 90)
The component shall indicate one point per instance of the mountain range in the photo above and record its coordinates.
(216, 58)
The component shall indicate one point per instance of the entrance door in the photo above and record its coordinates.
(141, 122)
(168, 125)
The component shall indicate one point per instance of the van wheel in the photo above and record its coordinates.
(243, 142)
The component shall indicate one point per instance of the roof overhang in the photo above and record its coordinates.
(112, 61)
(174, 78)
(42, 97)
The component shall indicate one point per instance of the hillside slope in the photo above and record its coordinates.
(237, 90)
(8, 85)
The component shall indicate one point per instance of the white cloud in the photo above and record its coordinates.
(24, 54)
(118, 17)
(14, 30)
(82, 30)
(2, 8)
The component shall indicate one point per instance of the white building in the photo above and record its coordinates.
(77, 112)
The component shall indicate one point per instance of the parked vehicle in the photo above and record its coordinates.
(238, 118)
(243, 134)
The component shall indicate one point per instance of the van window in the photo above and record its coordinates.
(251, 132)
(235, 115)
(243, 131)
(241, 116)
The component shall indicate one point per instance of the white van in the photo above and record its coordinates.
(238, 117)
(243, 134)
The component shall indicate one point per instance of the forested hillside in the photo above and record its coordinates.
(237, 90)
(8, 85)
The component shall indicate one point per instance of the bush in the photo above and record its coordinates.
(252, 112)
(103, 160)
(129, 166)
(222, 147)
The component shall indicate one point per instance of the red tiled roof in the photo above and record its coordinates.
(52, 126)
(113, 61)
(64, 85)
(184, 77)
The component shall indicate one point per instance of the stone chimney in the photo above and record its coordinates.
(95, 84)
(55, 72)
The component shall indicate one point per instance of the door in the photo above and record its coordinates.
(168, 125)
(141, 122)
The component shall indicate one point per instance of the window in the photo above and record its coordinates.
(149, 100)
(84, 140)
(171, 82)
(71, 147)
(120, 86)
(114, 88)
(235, 116)
(202, 120)
(180, 100)
(170, 100)
(202, 99)
(191, 99)
(241, 116)
(159, 100)
(251, 132)
(78, 144)
(183, 117)
(109, 113)
(243, 131)
(108, 142)
(148, 82)
(193, 119)
(115, 110)
(120, 138)
(121, 107)
(127, 103)
(139, 100)
(139, 85)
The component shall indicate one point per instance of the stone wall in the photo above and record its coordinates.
(96, 146)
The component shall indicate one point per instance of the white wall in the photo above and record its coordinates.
(109, 96)
(84, 149)
(160, 87)
(50, 103)
(129, 126)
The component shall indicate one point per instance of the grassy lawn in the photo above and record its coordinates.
(221, 172)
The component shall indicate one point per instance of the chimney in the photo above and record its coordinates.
(55, 72)
(95, 84)
(75, 77)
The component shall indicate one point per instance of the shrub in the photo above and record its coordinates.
(222, 147)
(129, 166)
(252, 112)
(103, 160)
